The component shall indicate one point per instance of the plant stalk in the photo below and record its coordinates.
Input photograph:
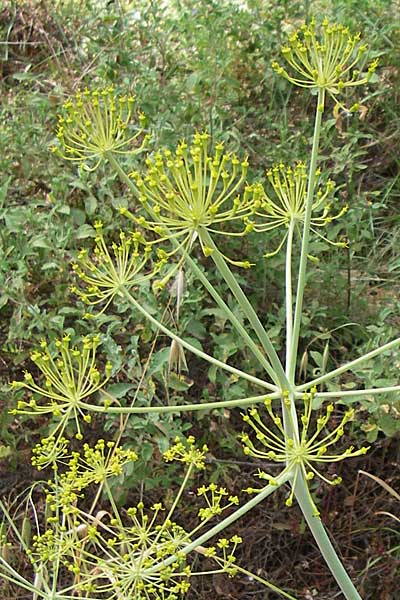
(278, 371)
(301, 282)
(349, 365)
(324, 543)
(171, 408)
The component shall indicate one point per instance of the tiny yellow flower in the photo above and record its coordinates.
(287, 203)
(329, 60)
(192, 191)
(95, 123)
(109, 270)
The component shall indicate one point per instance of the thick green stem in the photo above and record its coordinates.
(323, 541)
(193, 349)
(124, 177)
(171, 408)
(301, 282)
(349, 365)
(277, 369)
(288, 296)
(350, 393)
(232, 318)
(213, 292)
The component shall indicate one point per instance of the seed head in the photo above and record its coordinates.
(326, 60)
(192, 190)
(112, 267)
(94, 123)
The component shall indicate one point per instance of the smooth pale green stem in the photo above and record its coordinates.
(231, 317)
(301, 281)
(267, 491)
(349, 365)
(125, 178)
(290, 420)
(171, 408)
(193, 349)
(366, 392)
(213, 292)
(289, 297)
(323, 541)
(277, 369)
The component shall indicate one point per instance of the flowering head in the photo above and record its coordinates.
(303, 454)
(95, 123)
(187, 453)
(70, 377)
(102, 461)
(191, 191)
(109, 270)
(49, 451)
(121, 554)
(217, 500)
(287, 203)
(327, 61)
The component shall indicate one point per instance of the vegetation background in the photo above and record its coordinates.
(193, 65)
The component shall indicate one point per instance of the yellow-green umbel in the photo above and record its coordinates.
(193, 191)
(124, 554)
(329, 60)
(287, 204)
(303, 454)
(70, 377)
(109, 270)
(94, 123)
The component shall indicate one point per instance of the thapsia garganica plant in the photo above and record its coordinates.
(182, 198)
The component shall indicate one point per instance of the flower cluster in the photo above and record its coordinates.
(118, 554)
(228, 558)
(94, 465)
(71, 376)
(327, 61)
(288, 205)
(94, 123)
(110, 270)
(302, 454)
(214, 495)
(186, 452)
(191, 191)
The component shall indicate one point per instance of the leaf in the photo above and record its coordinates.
(179, 383)
(40, 242)
(159, 360)
(146, 451)
(119, 390)
(85, 231)
(90, 205)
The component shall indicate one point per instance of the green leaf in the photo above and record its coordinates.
(85, 231)
(40, 242)
(119, 390)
